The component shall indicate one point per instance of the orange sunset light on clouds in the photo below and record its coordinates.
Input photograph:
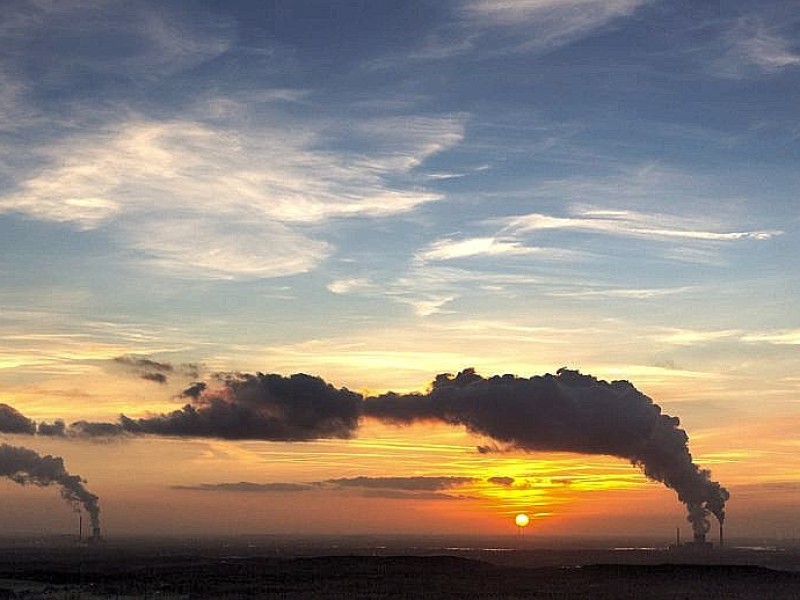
(399, 267)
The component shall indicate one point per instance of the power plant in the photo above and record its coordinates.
(95, 538)
(698, 543)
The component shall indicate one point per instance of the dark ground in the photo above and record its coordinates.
(242, 569)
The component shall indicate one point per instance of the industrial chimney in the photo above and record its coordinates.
(96, 537)
(720, 536)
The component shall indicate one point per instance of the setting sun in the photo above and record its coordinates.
(522, 520)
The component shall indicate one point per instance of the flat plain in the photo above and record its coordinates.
(238, 568)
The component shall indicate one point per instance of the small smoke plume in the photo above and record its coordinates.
(24, 466)
(566, 412)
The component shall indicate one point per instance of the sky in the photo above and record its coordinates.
(375, 193)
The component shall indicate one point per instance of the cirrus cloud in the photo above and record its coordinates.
(201, 200)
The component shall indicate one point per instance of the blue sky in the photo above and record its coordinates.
(376, 192)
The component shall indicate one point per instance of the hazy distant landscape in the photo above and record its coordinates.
(388, 567)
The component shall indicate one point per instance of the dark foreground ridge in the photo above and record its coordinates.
(133, 575)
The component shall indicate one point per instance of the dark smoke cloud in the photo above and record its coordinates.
(55, 429)
(24, 466)
(13, 421)
(89, 429)
(567, 412)
(259, 407)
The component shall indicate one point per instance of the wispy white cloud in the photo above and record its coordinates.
(790, 337)
(216, 202)
(228, 248)
(548, 23)
(351, 285)
(428, 288)
(629, 293)
(629, 223)
(449, 249)
(691, 337)
(753, 46)
(149, 42)
(404, 143)
(503, 26)
(513, 12)
(39, 346)
(679, 209)
(426, 306)
(225, 185)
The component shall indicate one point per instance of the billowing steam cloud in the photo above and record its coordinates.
(567, 412)
(25, 466)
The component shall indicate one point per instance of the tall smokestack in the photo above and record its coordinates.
(721, 539)
(96, 537)
(677, 537)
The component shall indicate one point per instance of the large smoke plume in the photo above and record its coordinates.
(25, 466)
(261, 407)
(567, 412)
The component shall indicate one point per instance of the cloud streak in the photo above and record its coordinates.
(626, 223)
(450, 249)
(751, 46)
(248, 487)
(421, 487)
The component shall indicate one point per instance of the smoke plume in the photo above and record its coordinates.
(24, 466)
(567, 412)
(260, 407)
